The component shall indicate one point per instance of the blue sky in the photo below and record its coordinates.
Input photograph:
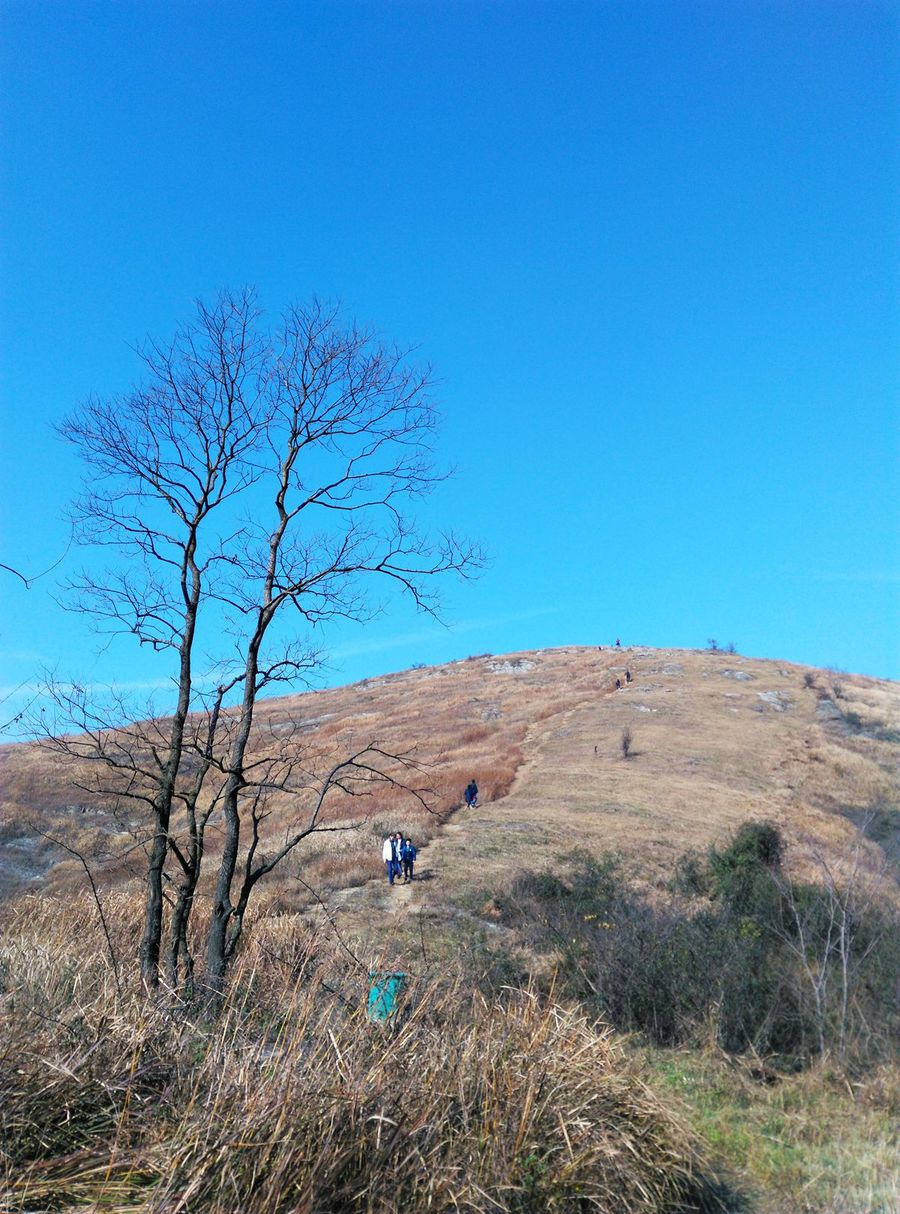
(651, 250)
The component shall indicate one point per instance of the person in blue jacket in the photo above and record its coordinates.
(407, 859)
(471, 793)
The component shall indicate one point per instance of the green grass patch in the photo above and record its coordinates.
(800, 1144)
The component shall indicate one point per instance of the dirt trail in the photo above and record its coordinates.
(479, 844)
(717, 740)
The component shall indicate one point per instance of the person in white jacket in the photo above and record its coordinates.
(389, 855)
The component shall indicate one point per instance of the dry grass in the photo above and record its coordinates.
(113, 1101)
(717, 740)
(711, 749)
(290, 1101)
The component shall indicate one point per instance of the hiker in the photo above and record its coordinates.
(471, 794)
(618, 684)
(618, 643)
(398, 845)
(389, 854)
(627, 676)
(407, 859)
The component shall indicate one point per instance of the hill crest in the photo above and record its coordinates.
(717, 739)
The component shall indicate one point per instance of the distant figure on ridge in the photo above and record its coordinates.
(618, 643)
(471, 794)
(627, 676)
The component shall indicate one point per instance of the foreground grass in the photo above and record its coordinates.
(288, 1101)
(814, 1142)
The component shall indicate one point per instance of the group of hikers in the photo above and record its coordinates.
(399, 855)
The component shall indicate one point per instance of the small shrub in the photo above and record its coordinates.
(691, 875)
(809, 680)
(626, 742)
(754, 843)
(475, 733)
(742, 872)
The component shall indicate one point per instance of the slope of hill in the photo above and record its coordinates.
(717, 739)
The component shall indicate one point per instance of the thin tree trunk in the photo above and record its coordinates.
(179, 963)
(217, 953)
(151, 941)
(153, 905)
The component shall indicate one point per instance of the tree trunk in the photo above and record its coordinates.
(217, 951)
(151, 941)
(153, 906)
(179, 963)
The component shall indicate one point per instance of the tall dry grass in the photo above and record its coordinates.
(290, 1101)
(444, 727)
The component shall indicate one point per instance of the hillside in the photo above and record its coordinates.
(584, 1035)
(718, 739)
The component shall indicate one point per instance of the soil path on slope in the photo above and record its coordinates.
(716, 742)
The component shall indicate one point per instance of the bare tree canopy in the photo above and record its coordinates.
(253, 471)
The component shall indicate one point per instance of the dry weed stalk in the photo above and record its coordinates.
(290, 1101)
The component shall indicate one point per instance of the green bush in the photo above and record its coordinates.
(756, 843)
(733, 965)
(691, 875)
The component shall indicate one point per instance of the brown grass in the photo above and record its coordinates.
(475, 733)
(544, 745)
(541, 733)
(291, 1101)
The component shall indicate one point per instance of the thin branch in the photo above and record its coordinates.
(73, 851)
(328, 915)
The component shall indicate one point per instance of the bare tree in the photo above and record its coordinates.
(253, 473)
(827, 928)
(163, 459)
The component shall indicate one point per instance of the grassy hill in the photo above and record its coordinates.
(521, 892)
(717, 739)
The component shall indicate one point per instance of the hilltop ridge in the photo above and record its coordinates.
(717, 739)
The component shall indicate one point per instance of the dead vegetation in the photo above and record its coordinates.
(541, 732)
(290, 1098)
(290, 1101)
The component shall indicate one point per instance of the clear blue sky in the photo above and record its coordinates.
(650, 248)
